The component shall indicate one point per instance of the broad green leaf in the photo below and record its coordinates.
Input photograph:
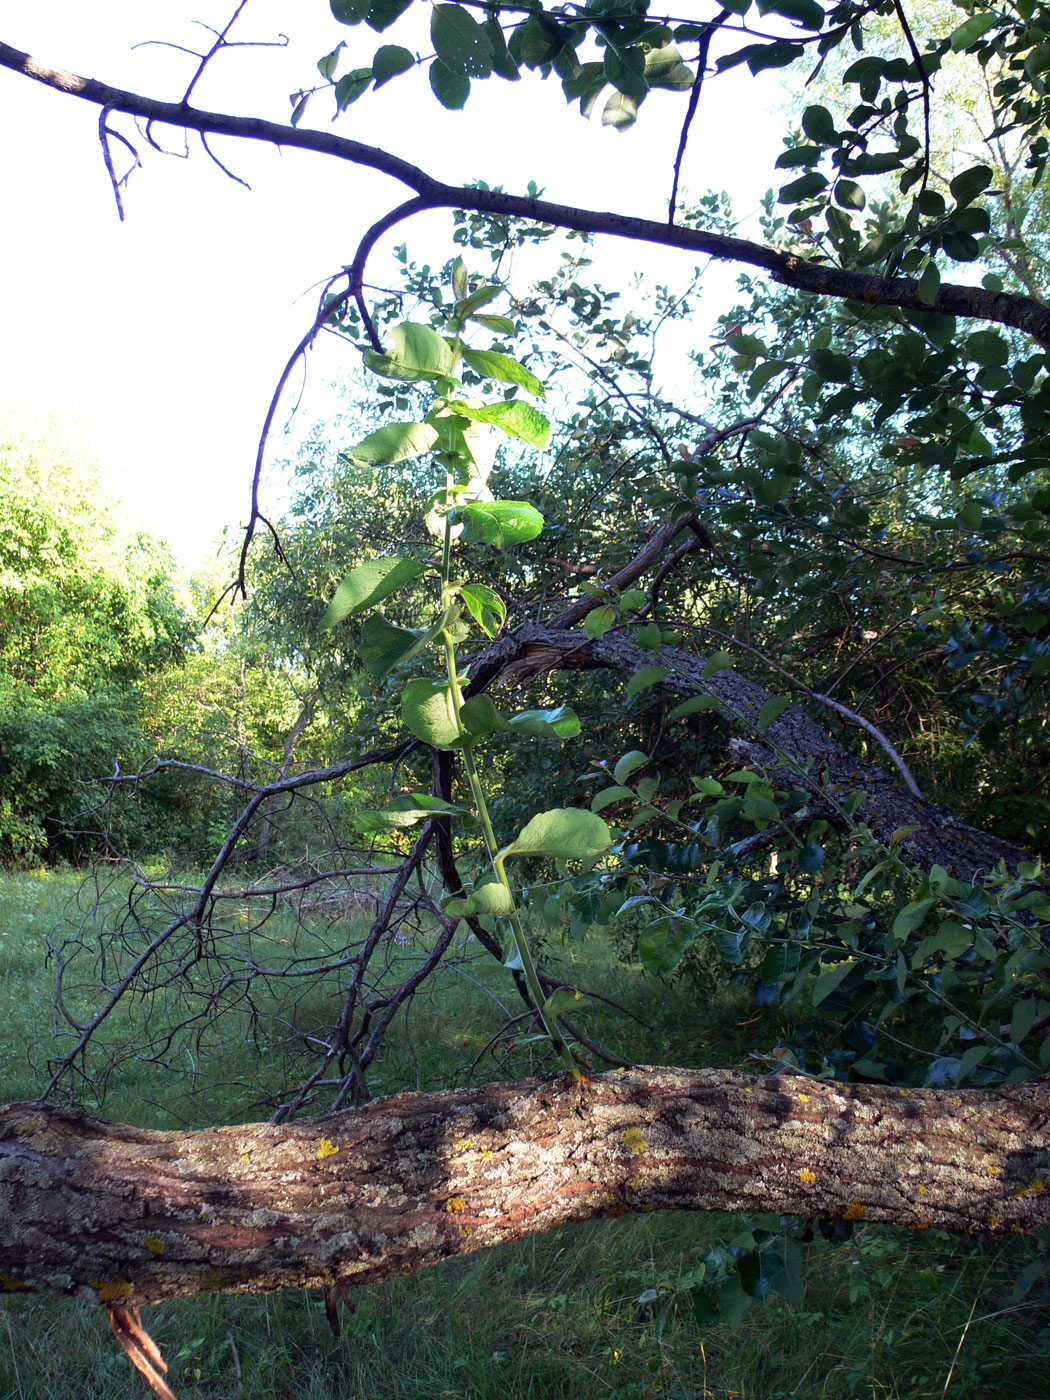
(503, 324)
(664, 68)
(828, 981)
(459, 278)
(451, 89)
(628, 763)
(911, 916)
(966, 187)
(598, 622)
(409, 809)
(559, 723)
(620, 111)
(515, 418)
(384, 646)
(493, 899)
(427, 709)
(564, 833)
(390, 60)
(485, 606)
(382, 13)
(1023, 1019)
(396, 442)
(499, 523)
(849, 194)
(720, 661)
(369, 584)
(460, 42)
(495, 366)
(350, 11)
(972, 30)
(645, 677)
(351, 86)
(480, 716)
(772, 710)
(466, 307)
(609, 795)
(564, 999)
(693, 706)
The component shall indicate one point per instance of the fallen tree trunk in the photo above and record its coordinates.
(794, 750)
(132, 1216)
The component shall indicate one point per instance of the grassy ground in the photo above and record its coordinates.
(888, 1316)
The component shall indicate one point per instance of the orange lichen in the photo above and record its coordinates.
(807, 1177)
(856, 1210)
(454, 1203)
(326, 1149)
(116, 1292)
(632, 1138)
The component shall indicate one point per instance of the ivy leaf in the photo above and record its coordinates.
(564, 833)
(369, 584)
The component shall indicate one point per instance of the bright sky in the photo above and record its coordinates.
(167, 333)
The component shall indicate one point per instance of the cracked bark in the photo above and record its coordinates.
(131, 1216)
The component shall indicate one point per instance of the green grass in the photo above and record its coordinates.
(887, 1316)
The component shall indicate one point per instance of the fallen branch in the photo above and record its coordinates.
(130, 1216)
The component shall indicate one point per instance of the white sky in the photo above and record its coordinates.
(167, 333)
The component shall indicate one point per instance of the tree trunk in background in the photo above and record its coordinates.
(135, 1216)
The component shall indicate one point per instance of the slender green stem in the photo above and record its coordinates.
(521, 943)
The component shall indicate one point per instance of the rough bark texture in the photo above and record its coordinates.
(133, 1216)
(814, 755)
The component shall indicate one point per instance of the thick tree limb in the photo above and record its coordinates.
(1004, 308)
(132, 1216)
(813, 757)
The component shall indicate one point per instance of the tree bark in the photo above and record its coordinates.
(132, 1216)
(794, 749)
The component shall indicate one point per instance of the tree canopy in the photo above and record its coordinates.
(746, 659)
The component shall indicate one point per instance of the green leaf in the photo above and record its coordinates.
(559, 723)
(628, 763)
(929, 283)
(460, 42)
(492, 365)
(397, 442)
(409, 809)
(351, 85)
(827, 982)
(565, 833)
(493, 899)
(368, 584)
(418, 353)
(664, 68)
(428, 712)
(480, 716)
(382, 13)
(459, 279)
(849, 194)
(693, 706)
(608, 796)
(499, 523)
(564, 999)
(772, 710)
(645, 677)
(350, 11)
(620, 111)
(972, 30)
(515, 417)
(383, 646)
(598, 622)
(1023, 1019)
(503, 324)
(967, 186)
(390, 60)
(485, 606)
(720, 661)
(451, 89)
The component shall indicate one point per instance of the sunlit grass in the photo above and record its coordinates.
(888, 1316)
